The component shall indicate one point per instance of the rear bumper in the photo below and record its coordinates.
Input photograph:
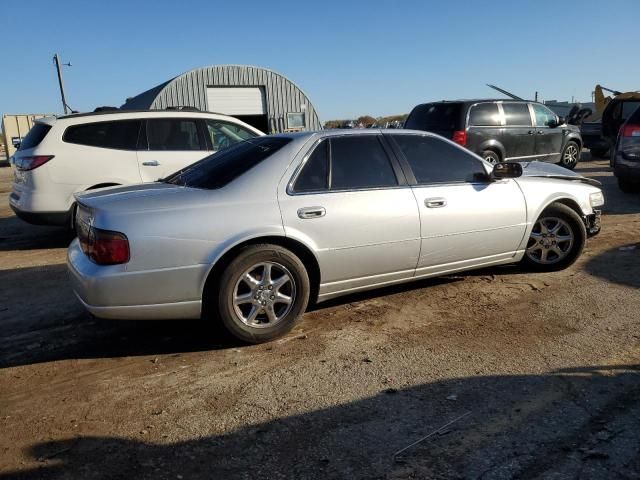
(43, 218)
(627, 170)
(115, 293)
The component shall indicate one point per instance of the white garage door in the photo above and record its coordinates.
(236, 100)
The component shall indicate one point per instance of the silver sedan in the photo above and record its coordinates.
(253, 234)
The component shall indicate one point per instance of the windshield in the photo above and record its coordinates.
(219, 169)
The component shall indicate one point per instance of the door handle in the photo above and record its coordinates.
(437, 202)
(531, 132)
(311, 212)
(540, 132)
(151, 163)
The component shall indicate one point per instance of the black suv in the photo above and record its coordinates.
(626, 154)
(502, 130)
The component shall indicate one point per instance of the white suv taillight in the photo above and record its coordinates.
(30, 162)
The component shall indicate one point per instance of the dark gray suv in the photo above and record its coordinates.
(502, 130)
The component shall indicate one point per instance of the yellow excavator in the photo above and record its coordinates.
(600, 129)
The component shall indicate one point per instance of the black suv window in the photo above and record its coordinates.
(35, 136)
(119, 134)
(315, 173)
(434, 160)
(517, 114)
(217, 170)
(360, 162)
(435, 116)
(484, 115)
(173, 134)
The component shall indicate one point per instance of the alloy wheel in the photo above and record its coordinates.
(570, 156)
(264, 295)
(550, 241)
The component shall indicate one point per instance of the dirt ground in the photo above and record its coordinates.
(537, 374)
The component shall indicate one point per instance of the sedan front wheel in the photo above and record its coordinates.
(556, 240)
(262, 293)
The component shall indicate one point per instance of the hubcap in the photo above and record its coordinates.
(264, 294)
(570, 155)
(550, 241)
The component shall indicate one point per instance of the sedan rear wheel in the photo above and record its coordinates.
(262, 293)
(556, 240)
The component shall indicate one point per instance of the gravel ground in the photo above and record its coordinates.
(536, 375)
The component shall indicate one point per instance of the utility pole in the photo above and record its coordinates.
(56, 61)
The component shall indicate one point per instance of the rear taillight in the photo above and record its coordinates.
(460, 137)
(30, 162)
(630, 130)
(104, 247)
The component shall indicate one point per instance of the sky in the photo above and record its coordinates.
(350, 57)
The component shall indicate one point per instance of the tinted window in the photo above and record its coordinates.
(517, 114)
(35, 136)
(217, 170)
(635, 118)
(173, 134)
(122, 134)
(225, 134)
(628, 108)
(360, 162)
(543, 115)
(435, 161)
(484, 114)
(435, 116)
(315, 173)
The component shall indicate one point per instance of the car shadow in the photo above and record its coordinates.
(53, 326)
(575, 423)
(16, 234)
(619, 265)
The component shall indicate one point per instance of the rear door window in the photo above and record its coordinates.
(174, 134)
(360, 161)
(484, 115)
(120, 134)
(434, 160)
(435, 116)
(35, 136)
(517, 114)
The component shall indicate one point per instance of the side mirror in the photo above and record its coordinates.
(553, 123)
(506, 170)
(562, 120)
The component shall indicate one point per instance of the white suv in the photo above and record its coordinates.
(65, 155)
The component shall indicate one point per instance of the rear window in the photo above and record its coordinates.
(219, 169)
(120, 135)
(629, 108)
(435, 116)
(484, 115)
(35, 136)
(635, 117)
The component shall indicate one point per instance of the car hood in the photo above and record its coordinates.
(549, 170)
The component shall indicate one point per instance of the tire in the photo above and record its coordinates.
(628, 187)
(542, 254)
(570, 155)
(259, 317)
(599, 152)
(491, 156)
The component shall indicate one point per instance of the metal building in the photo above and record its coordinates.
(255, 95)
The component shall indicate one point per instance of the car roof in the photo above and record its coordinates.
(356, 131)
(138, 113)
(479, 100)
